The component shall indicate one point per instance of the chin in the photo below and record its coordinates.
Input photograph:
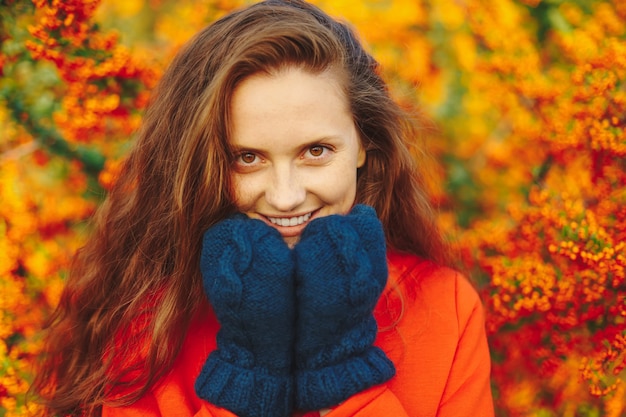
(291, 241)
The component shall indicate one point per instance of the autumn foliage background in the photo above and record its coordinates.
(529, 97)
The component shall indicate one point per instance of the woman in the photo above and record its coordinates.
(269, 248)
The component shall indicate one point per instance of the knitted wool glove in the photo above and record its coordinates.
(341, 270)
(248, 274)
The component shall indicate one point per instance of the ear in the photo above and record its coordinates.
(362, 157)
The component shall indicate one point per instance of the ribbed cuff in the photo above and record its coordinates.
(329, 386)
(244, 392)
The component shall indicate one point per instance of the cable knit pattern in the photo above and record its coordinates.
(341, 270)
(248, 273)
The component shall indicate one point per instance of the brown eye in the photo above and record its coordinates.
(247, 158)
(316, 150)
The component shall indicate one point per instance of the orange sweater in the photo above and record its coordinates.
(434, 334)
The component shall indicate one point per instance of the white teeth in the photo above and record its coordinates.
(290, 221)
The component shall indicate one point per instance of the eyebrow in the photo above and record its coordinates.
(317, 141)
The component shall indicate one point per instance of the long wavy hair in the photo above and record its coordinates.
(137, 279)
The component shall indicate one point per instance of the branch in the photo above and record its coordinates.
(19, 151)
(91, 159)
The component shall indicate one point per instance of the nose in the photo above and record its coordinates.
(286, 190)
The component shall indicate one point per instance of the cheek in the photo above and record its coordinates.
(349, 195)
(243, 190)
(338, 188)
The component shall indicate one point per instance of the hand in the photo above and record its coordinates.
(341, 270)
(248, 274)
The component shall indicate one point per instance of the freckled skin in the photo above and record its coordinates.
(297, 148)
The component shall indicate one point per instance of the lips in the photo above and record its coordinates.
(290, 221)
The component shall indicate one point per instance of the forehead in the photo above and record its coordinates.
(332, 75)
(291, 103)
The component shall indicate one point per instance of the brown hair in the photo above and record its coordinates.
(140, 266)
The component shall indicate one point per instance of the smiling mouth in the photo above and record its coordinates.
(290, 221)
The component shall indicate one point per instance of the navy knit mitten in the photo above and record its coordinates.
(248, 276)
(341, 271)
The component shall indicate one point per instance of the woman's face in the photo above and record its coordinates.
(296, 149)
